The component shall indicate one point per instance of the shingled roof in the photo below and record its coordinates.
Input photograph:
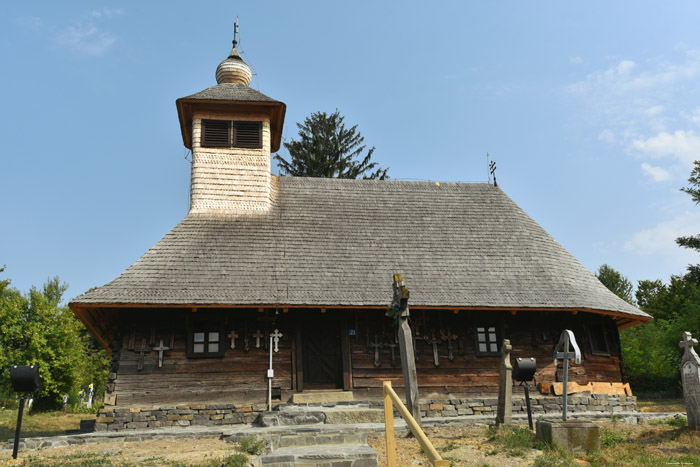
(231, 92)
(331, 242)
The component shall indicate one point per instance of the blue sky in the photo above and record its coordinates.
(591, 111)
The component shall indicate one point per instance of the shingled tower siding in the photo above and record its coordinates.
(230, 179)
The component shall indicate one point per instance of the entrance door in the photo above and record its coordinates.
(323, 364)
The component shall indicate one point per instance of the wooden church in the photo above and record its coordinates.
(310, 261)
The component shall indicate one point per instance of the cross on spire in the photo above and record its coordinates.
(235, 32)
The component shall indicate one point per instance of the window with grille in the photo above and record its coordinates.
(486, 340)
(227, 134)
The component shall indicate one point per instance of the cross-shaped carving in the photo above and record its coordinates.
(377, 345)
(233, 336)
(160, 349)
(434, 342)
(449, 337)
(391, 343)
(143, 349)
(688, 343)
(246, 347)
(258, 335)
(276, 338)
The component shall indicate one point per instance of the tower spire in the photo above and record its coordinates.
(234, 69)
(235, 32)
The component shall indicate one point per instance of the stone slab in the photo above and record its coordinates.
(316, 397)
(350, 455)
(352, 416)
(574, 435)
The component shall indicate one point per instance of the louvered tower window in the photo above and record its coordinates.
(226, 134)
(216, 133)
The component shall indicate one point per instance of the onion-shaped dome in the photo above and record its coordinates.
(233, 70)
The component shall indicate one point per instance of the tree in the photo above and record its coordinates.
(616, 283)
(36, 330)
(693, 241)
(327, 149)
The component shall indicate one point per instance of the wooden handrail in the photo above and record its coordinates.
(391, 399)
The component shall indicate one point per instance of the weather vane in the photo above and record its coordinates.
(492, 169)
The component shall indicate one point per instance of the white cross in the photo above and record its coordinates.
(232, 335)
(688, 342)
(276, 338)
(160, 350)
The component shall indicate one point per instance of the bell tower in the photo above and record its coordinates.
(232, 130)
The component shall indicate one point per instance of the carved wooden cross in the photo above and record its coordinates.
(276, 338)
(143, 349)
(434, 342)
(377, 345)
(246, 347)
(160, 349)
(258, 335)
(421, 322)
(449, 337)
(233, 336)
(391, 343)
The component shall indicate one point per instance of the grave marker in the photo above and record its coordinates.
(690, 375)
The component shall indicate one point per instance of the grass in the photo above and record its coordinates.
(39, 424)
(660, 405)
(514, 441)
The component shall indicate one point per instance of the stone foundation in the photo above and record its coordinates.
(121, 419)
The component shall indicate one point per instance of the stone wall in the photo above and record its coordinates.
(124, 419)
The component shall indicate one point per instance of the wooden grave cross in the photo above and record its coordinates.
(142, 351)
(233, 336)
(276, 335)
(160, 349)
(377, 345)
(421, 322)
(246, 343)
(434, 342)
(449, 337)
(258, 335)
(391, 343)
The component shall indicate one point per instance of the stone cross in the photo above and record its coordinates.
(434, 342)
(258, 335)
(690, 375)
(233, 336)
(160, 349)
(449, 337)
(276, 338)
(377, 345)
(143, 349)
(505, 386)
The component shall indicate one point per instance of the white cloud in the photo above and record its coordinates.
(607, 136)
(660, 240)
(85, 40)
(681, 145)
(659, 174)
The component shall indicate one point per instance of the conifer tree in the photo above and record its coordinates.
(326, 148)
(692, 241)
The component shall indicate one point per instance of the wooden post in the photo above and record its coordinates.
(389, 427)
(408, 361)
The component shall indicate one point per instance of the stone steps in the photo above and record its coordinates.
(329, 455)
(295, 415)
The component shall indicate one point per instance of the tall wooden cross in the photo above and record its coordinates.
(377, 345)
(160, 349)
(233, 336)
(449, 337)
(142, 350)
(408, 360)
(258, 335)
(434, 341)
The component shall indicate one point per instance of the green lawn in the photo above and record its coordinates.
(36, 425)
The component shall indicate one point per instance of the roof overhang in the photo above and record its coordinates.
(186, 108)
(100, 319)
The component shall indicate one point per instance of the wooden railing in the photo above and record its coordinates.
(391, 400)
